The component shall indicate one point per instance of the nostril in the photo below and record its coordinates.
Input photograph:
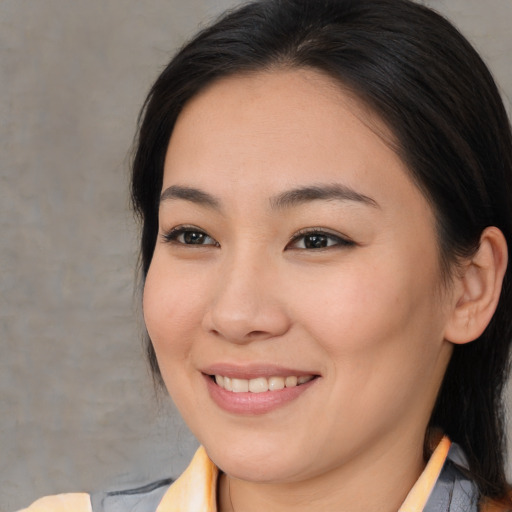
(256, 334)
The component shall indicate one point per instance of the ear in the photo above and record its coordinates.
(477, 288)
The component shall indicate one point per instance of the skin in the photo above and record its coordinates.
(368, 316)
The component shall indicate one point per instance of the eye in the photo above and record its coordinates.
(317, 239)
(189, 235)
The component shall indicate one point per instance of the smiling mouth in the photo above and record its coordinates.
(260, 384)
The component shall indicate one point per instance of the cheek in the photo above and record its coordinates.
(172, 308)
(378, 336)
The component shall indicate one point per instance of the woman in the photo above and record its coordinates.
(325, 196)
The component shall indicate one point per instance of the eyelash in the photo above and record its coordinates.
(173, 235)
(339, 241)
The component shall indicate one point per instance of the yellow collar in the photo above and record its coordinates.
(420, 492)
(195, 489)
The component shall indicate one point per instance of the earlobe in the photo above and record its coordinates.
(478, 288)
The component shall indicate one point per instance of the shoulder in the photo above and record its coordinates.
(140, 499)
(74, 502)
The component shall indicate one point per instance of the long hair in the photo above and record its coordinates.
(427, 83)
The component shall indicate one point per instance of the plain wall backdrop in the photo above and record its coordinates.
(77, 409)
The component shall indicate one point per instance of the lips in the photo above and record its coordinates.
(255, 389)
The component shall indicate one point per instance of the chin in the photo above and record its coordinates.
(262, 462)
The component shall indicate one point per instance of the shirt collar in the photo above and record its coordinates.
(195, 489)
(422, 489)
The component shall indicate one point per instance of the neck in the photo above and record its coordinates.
(378, 481)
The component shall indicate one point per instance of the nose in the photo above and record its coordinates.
(246, 303)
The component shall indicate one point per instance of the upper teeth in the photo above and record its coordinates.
(260, 384)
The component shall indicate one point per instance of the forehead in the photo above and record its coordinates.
(280, 102)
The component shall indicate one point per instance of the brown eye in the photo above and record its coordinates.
(318, 240)
(193, 237)
(189, 236)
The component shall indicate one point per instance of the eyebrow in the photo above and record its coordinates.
(194, 195)
(287, 199)
(336, 191)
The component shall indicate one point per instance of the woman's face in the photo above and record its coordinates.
(294, 247)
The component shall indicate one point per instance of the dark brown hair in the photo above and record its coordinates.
(430, 87)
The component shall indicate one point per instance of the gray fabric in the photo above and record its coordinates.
(454, 491)
(141, 499)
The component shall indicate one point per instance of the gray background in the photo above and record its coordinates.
(77, 409)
